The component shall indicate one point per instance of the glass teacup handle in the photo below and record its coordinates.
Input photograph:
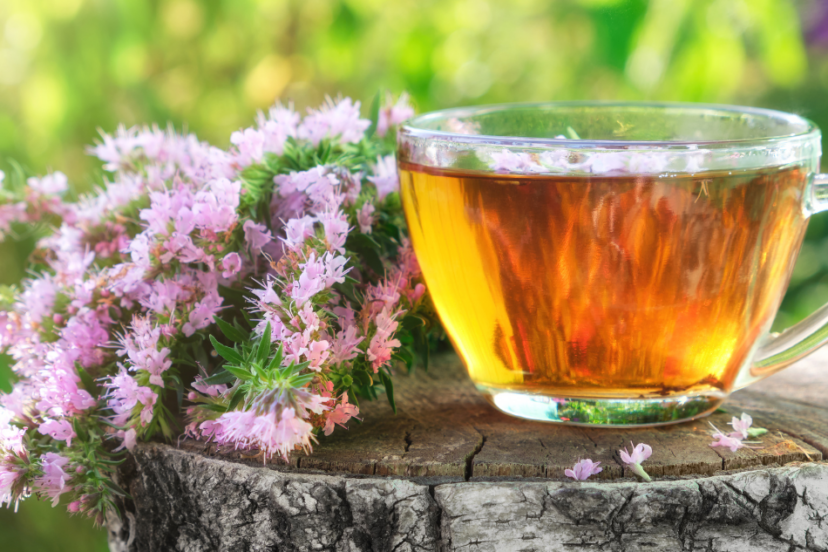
(783, 349)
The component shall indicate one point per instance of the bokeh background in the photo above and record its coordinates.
(70, 67)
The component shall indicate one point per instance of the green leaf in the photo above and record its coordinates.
(179, 393)
(294, 369)
(112, 462)
(411, 322)
(80, 430)
(405, 356)
(221, 377)
(87, 380)
(389, 389)
(375, 108)
(235, 296)
(362, 378)
(420, 346)
(264, 346)
(230, 332)
(347, 289)
(303, 380)
(226, 352)
(277, 358)
(234, 402)
(239, 372)
(367, 250)
(352, 397)
(756, 431)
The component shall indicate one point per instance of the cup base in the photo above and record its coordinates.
(601, 412)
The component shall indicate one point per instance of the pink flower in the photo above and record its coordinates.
(416, 293)
(271, 433)
(741, 426)
(52, 184)
(280, 124)
(735, 440)
(297, 230)
(584, 469)
(365, 218)
(386, 292)
(249, 144)
(334, 119)
(639, 454)
(12, 212)
(10, 478)
(60, 430)
(382, 346)
(317, 354)
(129, 438)
(345, 345)
(58, 386)
(231, 264)
(311, 281)
(38, 297)
(124, 394)
(340, 415)
(336, 228)
(385, 176)
(335, 270)
(256, 236)
(722, 440)
(268, 294)
(203, 314)
(85, 333)
(141, 348)
(209, 390)
(54, 478)
(393, 114)
(315, 182)
(11, 437)
(215, 205)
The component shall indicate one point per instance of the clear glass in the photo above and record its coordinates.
(613, 263)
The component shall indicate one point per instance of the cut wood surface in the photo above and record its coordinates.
(445, 429)
(449, 472)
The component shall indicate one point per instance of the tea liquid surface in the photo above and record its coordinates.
(605, 287)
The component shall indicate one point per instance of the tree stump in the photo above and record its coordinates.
(449, 472)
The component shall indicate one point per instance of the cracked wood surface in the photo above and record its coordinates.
(449, 472)
(445, 429)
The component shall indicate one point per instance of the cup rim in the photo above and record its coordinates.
(410, 129)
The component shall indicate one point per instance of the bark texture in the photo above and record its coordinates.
(451, 473)
(187, 502)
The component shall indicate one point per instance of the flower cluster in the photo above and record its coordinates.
(287, 251)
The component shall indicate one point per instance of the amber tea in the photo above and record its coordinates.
(605, 286)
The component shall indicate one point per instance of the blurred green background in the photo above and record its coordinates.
(69, 67)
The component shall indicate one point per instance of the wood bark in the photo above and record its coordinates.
(448, 472)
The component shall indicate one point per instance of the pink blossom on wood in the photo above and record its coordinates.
(741, 426)
(583, 470)
(640, 453)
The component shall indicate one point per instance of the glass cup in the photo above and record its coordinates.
(613, 264)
